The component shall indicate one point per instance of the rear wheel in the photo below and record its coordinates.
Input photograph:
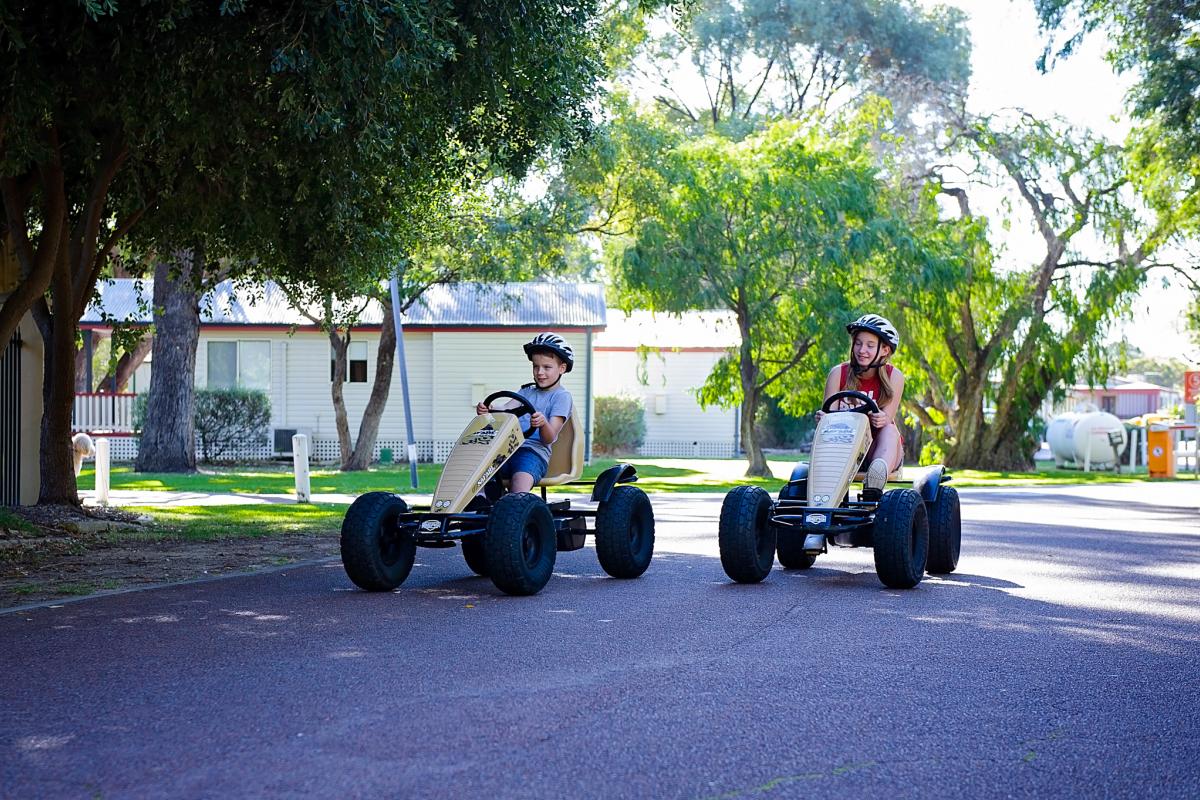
(945, 532)
(476, 558)
(745, 535)
(519, 544)
(790, 549)
(625, 532)
(375, 553)
(901, 539)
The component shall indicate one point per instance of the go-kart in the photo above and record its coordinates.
(511, 538)
(912, 530)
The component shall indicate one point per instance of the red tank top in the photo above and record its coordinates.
(868, 386)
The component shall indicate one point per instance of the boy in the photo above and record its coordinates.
(551, 358)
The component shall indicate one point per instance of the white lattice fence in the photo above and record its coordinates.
(676, 449)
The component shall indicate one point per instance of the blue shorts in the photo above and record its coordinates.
(525, 460)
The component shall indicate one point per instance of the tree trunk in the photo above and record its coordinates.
(368, 429)
(168, 442)
(748, 373)
(57, 467)
(128, 364)
(340, 348)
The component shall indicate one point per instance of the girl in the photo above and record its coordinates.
(873, 340)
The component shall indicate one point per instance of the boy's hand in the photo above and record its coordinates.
(537, 419)
(818, 415)
(481, 409)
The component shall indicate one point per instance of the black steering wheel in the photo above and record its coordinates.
(866, 404)
(521, 409)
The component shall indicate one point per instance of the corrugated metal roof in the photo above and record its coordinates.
(533, 304)
(690, 329)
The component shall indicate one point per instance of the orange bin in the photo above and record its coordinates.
(1160, 447)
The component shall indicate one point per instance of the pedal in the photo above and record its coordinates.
(814, 543)
(871, 495)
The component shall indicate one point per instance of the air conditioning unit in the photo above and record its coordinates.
(283, 439)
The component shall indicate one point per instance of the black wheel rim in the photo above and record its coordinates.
(531, 545)
(763, 546)
(391, 542)
(637, 533)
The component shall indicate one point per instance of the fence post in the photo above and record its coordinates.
(300, 465)
(1133, 448)
(102, 464)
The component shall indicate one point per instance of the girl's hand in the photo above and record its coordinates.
(481, 409)
(537, 419)
(878, 419)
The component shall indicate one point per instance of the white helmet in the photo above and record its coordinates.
(877, 325)
(551, 343)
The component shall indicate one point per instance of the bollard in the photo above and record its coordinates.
(102, 471)
(300, 464)
(1133, 448)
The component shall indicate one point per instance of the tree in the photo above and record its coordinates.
(774, 228)
(990, 339)
(770, 59)
(240, 124)
(1157, 40)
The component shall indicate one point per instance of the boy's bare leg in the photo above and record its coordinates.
(521, 482)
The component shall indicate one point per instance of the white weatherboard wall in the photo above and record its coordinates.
(472, 364)
(676, 425)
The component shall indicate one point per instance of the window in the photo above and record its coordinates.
(1108, 403)
(239, 364)
(356, 363)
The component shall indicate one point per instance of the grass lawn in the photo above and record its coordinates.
(656, 475)
(208, 523)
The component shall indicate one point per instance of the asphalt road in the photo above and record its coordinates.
(1059, 661)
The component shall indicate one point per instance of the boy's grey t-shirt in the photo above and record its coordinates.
(553, 402)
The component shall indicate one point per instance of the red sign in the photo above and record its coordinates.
(1191, 387)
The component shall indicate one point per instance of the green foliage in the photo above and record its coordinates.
(779, 429)
(140, 401)
(228, 420)
(620, 424)
(774, 227)
(764, 59)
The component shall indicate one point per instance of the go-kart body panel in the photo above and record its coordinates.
(482, 448)
(839, 445)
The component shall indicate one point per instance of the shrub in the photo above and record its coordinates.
(227, 420)
(139, 411)
(620, 424)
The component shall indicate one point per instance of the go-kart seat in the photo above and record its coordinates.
(861, 475)
(566, 454)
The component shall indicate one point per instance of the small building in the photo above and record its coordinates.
(21, 360)
(1123, 397)
(663, 359)
(461, 342)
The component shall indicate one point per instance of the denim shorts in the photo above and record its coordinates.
(525, 460)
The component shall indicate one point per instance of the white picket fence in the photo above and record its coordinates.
(104, 412)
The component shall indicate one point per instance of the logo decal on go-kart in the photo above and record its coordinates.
(484, 435)
(838, 433)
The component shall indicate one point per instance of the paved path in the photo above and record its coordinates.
(1060, 661)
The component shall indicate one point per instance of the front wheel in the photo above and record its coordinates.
(625, 532)
(945, 532)
(519, 544)
(375, 553)
(745, 534)
(901, 539)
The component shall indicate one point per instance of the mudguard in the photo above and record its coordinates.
(605, 481)
(929, 482)
(797, 486)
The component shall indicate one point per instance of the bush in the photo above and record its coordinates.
(139, 411)
(227, 420)
(620, 424)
